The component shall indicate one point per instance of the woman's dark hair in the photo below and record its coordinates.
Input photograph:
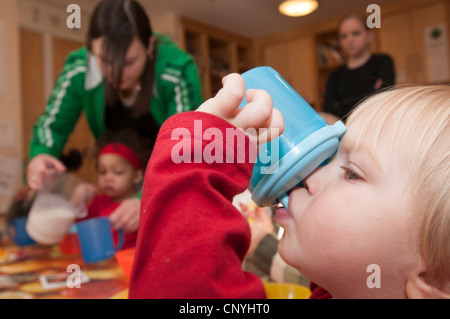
(128, 137)
(118, 22)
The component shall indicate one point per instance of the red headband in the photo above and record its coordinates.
(124, 151)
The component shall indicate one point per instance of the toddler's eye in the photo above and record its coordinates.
(350, 174)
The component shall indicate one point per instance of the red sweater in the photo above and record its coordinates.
(191, 239)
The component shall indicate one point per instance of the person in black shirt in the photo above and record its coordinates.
(364, 72)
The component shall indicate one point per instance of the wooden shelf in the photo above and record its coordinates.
(329, 57)
(217, 53)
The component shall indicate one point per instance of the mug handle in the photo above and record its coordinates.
(120, 240)
(8, 232)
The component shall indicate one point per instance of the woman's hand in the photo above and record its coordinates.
(126, 216)
(259, 115)
(40, 167)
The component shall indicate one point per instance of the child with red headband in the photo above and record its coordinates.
(120, 165)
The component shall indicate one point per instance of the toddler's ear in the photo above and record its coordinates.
(417, 287)
(138, 176)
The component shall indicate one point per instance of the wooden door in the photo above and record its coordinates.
(303, 68)
(295, 60)
(395, 39)
(81, 138)
(32, 87)
(34, 99)
(275, 56)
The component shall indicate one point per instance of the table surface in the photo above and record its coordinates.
(23, 270)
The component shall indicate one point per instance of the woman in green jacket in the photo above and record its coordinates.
(126, 76)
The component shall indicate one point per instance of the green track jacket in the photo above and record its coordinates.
(79, 88)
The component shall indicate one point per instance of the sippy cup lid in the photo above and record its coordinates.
(297, 164)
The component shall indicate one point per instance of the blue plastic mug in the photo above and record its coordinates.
(96, 239)
(19, 235)
(306, 143)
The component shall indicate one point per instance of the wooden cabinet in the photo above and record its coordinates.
(81, 138)
(216, 52)
(296, 62)
(329, 57)
(33, 95)
(402, 35)
(32, 88)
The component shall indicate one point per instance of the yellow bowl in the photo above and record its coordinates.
(286, 291)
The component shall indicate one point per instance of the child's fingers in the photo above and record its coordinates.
(232, 93)
(275, 128)
(257, 113)
(226, 102)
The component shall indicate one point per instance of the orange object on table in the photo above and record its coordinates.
(70, 245)
(125, 258)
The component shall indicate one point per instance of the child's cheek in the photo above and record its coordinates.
(323, 225)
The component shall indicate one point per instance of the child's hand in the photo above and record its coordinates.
(260, 224)
(82, 193)
(126, 215)
(257, 114)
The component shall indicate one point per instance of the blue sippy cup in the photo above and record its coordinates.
(306, 143)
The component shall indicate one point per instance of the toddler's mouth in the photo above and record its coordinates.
(282, 214)
(108, 189)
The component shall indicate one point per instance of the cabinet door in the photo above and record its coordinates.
(422, 19)
(32, 87)
(81, 138)
(303, 68)
(296, 63)
(395, 39)
(275, 55)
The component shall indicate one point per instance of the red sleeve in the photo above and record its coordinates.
(191, 239)
(318, 292)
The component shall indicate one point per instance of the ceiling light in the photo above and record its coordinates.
(297, 8)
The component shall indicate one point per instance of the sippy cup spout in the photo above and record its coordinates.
(284, 200)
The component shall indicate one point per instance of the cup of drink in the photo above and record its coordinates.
(17, 233)
(306, 143)
(96, 239)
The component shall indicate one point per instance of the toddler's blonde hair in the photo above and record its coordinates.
(416, 122)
